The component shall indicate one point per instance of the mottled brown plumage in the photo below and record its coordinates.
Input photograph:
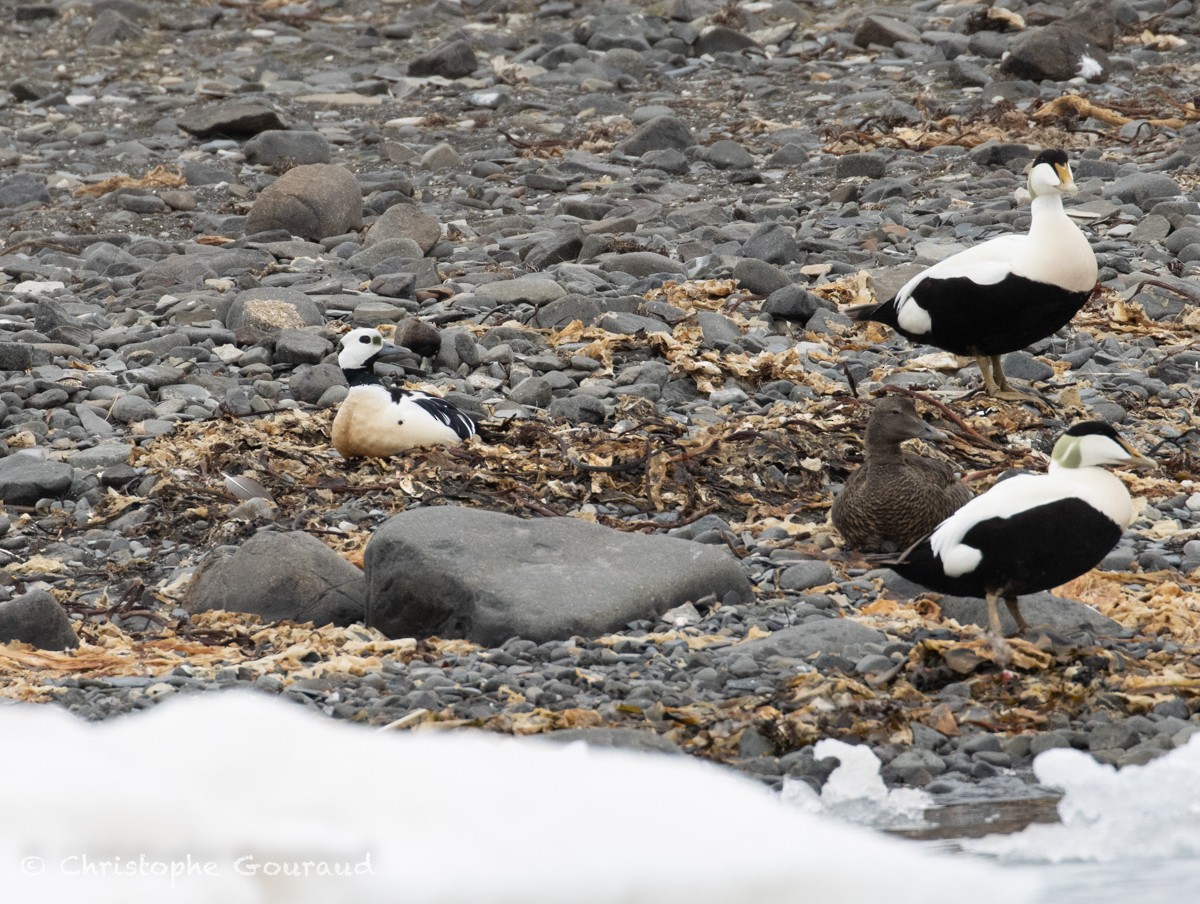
(896, 497)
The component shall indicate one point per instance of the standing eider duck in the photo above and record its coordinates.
(376, 420)
(896, 498)
(1032, 532)
(1005, 293)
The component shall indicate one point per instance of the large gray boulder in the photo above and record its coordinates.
(37, 618)
(485, 576)
(278, 576)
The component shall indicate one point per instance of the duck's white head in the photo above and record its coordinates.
(358, 347)
(1051, 173)
(1092, 443)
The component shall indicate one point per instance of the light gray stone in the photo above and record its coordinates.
(840, 636)
(311, 201)
(536, 290)
(1042, 608)
(405, 221)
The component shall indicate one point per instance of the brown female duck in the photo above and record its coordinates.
(896, 497)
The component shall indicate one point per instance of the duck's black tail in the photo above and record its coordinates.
(882, 312)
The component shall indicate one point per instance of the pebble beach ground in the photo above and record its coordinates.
(620, 235)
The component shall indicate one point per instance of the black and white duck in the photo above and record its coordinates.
(896, 497)
(1032, 532)
(376, 420)
(1006, 293)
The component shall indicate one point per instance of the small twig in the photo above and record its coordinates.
(526, 145)
(849, 379)
(1175, 290)
(1174, 441)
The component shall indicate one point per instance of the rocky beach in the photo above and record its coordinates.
(621, 237)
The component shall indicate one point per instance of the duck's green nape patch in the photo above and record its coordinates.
(1067, 452)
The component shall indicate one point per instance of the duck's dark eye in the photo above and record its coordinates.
(365, 340)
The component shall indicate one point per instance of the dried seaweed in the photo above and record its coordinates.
(159, 177)
(642, 463)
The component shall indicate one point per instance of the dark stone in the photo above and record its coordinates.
(454, 59)
(277, 576)
(1054, 53)
(760, 277)
(557, 249)
(231, 119)
(111, 27)
(405, 221)
(773, 243)
(659, 134)
(1038, 608)
(15, 356)
(25, 479)
(870, 166)
(276, 147)
(309, 384)
(36, 618)
(420, 337)
(21, 189)
(719, 39)
(793, 303)
(885, 31)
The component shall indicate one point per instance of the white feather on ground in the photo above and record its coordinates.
(435, 818)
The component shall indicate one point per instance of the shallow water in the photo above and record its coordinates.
(1104, 837)
(979, 818)
(1137, 881)
(1125, 882)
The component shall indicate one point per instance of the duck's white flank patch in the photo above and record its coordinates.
(912, 317)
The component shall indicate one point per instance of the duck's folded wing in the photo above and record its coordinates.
(445, 413)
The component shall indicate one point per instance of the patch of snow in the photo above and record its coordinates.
(855, 792)
(1088, 67)
(247, 799)
(1136, 813)
(38, 286)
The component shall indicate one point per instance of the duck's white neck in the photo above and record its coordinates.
(1099, 488)
(1048, 213)
(1056, 252)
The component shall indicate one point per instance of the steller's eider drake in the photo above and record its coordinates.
(1005, 293)
(377, 420)
(1032, 532)
(896, 498)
